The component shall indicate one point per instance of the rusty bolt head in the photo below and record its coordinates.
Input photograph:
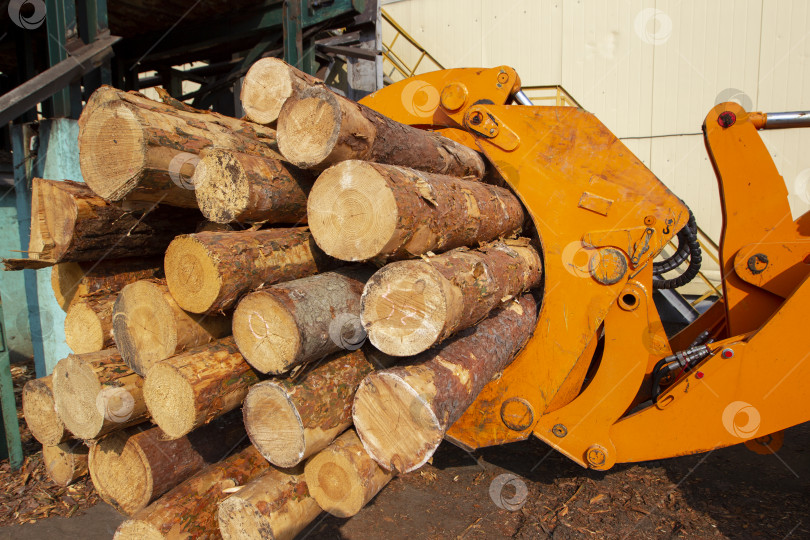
(503, 77)
(559, 430)
(476, 118)
(649, 221)
(726, 119)
(597, 456)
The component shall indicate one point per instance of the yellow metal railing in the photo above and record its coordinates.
(394, 63)
(556, 93)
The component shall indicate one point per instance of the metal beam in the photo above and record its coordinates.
(54, 79)
(8, 403)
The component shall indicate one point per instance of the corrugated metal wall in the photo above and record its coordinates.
(649, 69)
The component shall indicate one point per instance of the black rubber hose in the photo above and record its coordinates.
(658, 374)
(680, 255)
(695, 260)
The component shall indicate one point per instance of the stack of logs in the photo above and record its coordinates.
(306, 249)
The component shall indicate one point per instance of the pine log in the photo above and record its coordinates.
(288, 420)
(96, 393)
(209, 271)
(71, 223)
(191, 389)
(133, 467)
(402, 413)
(267, 85)
(410, 306)
(231, 186)
(88, 323)
(360, 211)
(275, 506)
(317, 128)
(189, 509)
(149, 326)
(65, 462)
(131, 146)
(302, 320)
(73, 279)
(343, 478)
(39, 408)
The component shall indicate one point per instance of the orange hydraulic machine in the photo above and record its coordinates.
(600, 380)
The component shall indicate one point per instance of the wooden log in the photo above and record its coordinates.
(73, 279)
(209, 271)
(191, 389)
(275, 506)
(65, 462)
(133, 467)
(343, 478)
(96, 393)
(410, 306)
(317, 128)
(267, 85)
(133, 147)
(149, 326)
(88, 323)
(302, 320)
(231, 186)
(402, 413)
(289, 420)
(360, 211)
(189, 509)
(39, 408)
(71, 223)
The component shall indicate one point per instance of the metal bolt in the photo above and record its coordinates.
(649, 221)
(699, 375)
(727, 353)
(503, 77)
(597, 456)
(726, 119)
(476, 118)
(491, 131)
(559, 430)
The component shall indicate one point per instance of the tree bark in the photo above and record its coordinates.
(189, 509)
(231, 186)
(71, 223)
(133, 147)
(192, 388)
(65, 462)
(402, 414)
(292, 323)
(288, 420)
(267, 85)
(133, 467)
(361, 211)
(78, 279)
(343, 478)
(149, 326)
(276, 506)
(39, 408)
(209, 271)
(88, 323)
(317, 128)
(96, 393)
(410, 306)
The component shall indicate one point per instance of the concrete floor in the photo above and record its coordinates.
(99, 521)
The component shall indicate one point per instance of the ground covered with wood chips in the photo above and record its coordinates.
(728, 493)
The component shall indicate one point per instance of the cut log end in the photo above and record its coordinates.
(134, 529)
(77, 399)
(65, 462)
(112, 151)
(418, 432)
(274, 425)
(192, 274)
(146, 333)
(40, 413)
(65, 279)
(311, 126)
(240, 519)
(170, 398)
(221, 197)
(267, 85)
(266, 333)
(352, 211)
(118, 471)
(84, 329)
(407, 314)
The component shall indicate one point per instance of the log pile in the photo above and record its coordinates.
(244, 311)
